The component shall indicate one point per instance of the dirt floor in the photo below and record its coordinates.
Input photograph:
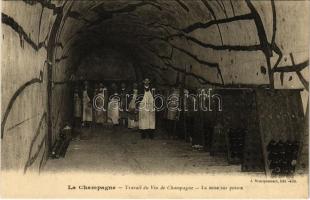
(121, 150)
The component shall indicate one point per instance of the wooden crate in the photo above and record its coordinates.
(280, 117)
(239, 111)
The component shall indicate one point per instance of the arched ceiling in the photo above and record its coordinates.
(152, 31)
(213, 42)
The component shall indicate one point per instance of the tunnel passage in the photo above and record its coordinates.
(211, 44)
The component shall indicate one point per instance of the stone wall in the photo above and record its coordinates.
(24, 85)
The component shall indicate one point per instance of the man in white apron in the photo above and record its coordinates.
(77, 108)
(147, 112)
(114, 106)
(87, 107)
(133, 114)
(100, 104)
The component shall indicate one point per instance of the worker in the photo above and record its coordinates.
(95, 92)
(77, 108)
(123, 105)
(132, 110)
(173, 112)
(147, 112)
(100, 104)
(198, 137)
(114, 106)
(87, 107)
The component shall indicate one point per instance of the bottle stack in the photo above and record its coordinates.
(60, 147)
(282, 157)
(218, 143)
(236, 144)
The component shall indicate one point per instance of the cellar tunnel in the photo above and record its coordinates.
(249, 51)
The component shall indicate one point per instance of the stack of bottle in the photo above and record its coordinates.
(282, 157)
(236, 143)
(60, 147)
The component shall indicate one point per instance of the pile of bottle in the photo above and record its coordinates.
(236, 143)
(60, 147)
(282, 157)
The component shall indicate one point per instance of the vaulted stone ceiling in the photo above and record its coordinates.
(148, 29)
(214, 42)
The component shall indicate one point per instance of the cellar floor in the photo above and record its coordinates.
(121, 150)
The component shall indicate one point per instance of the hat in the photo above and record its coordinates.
(114, 86)
(146, 81)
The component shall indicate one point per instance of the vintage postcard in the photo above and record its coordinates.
(155, 99)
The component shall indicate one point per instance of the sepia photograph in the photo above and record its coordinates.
(155, 99)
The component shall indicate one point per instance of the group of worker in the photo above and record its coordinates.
(119, 107)
(140, 108)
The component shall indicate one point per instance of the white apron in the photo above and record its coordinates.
(113, 111)
(147, 112)
(132, 123)
(77, 106)
(132, 106)
(100, 112)
(87, 108)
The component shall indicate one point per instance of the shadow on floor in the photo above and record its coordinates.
(121, 150)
